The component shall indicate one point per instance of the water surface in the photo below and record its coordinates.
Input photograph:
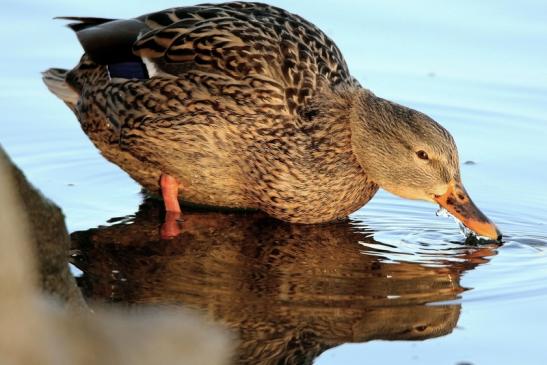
(394, 284)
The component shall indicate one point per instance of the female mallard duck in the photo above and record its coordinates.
(246, 105)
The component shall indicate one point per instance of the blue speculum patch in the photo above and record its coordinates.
(128, 70)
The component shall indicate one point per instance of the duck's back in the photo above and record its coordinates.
(239, 40)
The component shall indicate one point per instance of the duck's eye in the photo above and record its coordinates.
(422, 154)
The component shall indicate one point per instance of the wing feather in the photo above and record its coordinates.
(242, 41)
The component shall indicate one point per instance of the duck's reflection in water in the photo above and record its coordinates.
(289, 291)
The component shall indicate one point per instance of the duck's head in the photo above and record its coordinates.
(409, 154)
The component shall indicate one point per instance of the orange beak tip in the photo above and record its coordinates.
(481, 229)
(473, 237)
(475, 240)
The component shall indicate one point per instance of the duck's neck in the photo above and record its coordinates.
(374, 124)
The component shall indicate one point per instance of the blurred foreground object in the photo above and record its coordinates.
(38, 329)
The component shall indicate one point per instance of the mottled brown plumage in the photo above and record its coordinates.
(247, 106)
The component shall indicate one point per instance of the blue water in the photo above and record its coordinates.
(479, 68)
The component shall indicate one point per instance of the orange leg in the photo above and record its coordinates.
(170, 191)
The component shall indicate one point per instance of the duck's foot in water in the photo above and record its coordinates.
(169, 191)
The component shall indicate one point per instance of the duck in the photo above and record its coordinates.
(248, 106)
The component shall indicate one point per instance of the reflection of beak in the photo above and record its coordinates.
(458, 203)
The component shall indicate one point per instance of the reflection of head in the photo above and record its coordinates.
(420, 322)
(290, 291)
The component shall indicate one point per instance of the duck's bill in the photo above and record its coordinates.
(459, 204)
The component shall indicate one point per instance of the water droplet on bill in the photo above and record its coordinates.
(443, 213)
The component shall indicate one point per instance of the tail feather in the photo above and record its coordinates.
(83, 22)
(107, 41)
(55, 80)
